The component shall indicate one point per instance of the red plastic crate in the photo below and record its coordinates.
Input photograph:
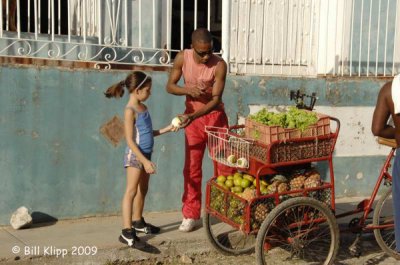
(268, 134)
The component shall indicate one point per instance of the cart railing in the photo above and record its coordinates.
(228, 149)
(224, 142)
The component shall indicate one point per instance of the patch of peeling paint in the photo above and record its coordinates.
(235, 84)
(34, 134)
(35, 98)
(262, 84)
(20, 132)
(56, 150)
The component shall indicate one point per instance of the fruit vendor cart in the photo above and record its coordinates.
(276, 199)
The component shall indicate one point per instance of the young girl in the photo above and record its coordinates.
(137, 161)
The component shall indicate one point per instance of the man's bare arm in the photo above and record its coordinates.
(175, 75)
(217, 91)
(382, 113)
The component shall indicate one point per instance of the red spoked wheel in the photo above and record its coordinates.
(298, 231)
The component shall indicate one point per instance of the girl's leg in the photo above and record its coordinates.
(139, 223)
(138, 203)
(132, 182)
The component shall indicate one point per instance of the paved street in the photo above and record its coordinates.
(94, 241)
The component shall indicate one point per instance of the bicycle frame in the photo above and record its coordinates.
(365, 206)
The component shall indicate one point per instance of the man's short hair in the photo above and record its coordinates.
(201, 35)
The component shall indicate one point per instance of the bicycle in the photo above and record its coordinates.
(382, 221)
(294, 225)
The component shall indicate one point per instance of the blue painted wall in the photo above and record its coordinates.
(54, 160)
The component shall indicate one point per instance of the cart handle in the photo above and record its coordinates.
(337, 124)
(388, 142)
(213, 129)
(237, 126)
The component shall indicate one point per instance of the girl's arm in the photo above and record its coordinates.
(129, 119)
(169, 128)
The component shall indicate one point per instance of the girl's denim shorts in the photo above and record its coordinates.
(130, 159)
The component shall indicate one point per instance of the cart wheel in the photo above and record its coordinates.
(298, 231)
(227, 239)
(383, 214)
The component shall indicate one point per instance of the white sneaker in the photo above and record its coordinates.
(187, 225)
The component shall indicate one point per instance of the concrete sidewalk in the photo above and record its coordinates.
(95, 240)
(83, 237)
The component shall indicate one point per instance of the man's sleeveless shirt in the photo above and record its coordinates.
(199, 74)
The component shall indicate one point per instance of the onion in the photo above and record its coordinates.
(242, 162)
(231, 159)
(176, 122)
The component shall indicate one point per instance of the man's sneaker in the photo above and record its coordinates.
(128, 236)
(143, 227)
(187, 225)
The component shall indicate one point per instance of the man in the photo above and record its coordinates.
(204, 79)
(388, 104)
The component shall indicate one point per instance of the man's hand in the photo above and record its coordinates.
(185, 120)
(194, 91)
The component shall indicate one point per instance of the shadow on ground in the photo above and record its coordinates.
(40, 219)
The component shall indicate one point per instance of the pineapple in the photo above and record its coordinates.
(282, 187)
(297, 182)
(248, 194)
(312, 181)
(260, 212)
(311, 172)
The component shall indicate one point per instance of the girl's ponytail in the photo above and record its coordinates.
(136, 80)
(116, 90)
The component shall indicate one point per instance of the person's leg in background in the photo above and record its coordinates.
(396, 197)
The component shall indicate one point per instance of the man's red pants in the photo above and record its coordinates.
(195, 144)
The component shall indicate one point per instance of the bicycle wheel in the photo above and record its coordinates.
(227, 239)
(298, 231)
(383, 215)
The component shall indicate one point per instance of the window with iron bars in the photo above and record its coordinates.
(260, 37)
(315, 37)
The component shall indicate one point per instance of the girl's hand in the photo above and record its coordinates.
(149, 167)
(172, 128)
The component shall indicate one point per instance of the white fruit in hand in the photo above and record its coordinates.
(231, 159)
(242, 162)
(176, 122)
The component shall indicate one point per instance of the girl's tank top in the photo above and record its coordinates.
(144, 131)
(202, 75)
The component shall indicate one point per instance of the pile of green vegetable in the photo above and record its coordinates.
(294, 118)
